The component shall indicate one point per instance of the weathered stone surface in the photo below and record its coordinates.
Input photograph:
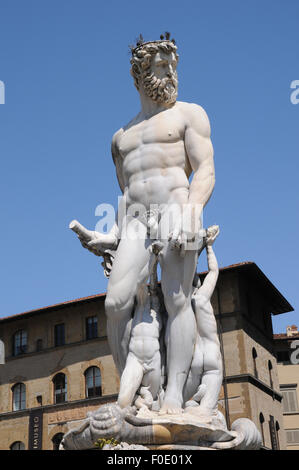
(111, 421)
(124, 446)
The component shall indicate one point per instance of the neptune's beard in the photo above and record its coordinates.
(163, 90)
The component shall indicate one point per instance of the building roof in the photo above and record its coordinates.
(284, 336)
(51, 307)
(292, 333)
(276, 303)
(281, 336)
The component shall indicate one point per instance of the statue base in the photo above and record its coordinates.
(152, 430)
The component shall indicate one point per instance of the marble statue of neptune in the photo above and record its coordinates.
(163, 336)
(165, 168)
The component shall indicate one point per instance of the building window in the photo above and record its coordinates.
(18, 445)
(254, 357)
(292, 436)
(20, 342)
(60, 388)
(270, 367)
(262, 420)
(93, 382)
(59, 335)
(18, 397)
(91, 327)
(289, 399)
(57, 440)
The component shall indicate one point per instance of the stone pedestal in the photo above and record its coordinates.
(187, 430)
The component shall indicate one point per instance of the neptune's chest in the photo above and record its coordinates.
(160, 129)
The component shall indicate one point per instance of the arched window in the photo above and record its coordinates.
(20, 342)
(18, 397)
(18, 445)
(93, 382)
(254, 356)
(57, 440)
(262, 420)
(270, 367)
(60, 388)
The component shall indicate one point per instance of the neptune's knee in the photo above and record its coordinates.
(175, 302)
(118, 305)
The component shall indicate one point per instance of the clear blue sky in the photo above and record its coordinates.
(65, 65)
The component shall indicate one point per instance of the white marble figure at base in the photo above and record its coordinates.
(143, 364)
(141, 424)
(163, 339)
(207, 359)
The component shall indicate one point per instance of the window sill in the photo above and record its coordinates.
(53, 348)
(68, 404)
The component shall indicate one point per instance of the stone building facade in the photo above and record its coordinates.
(48, 368)
(287, 351)
(243, 303)
(58, 365)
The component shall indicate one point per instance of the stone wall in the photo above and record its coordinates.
(36, 369)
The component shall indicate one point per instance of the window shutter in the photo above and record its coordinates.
(292, 436)
(290, 403)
